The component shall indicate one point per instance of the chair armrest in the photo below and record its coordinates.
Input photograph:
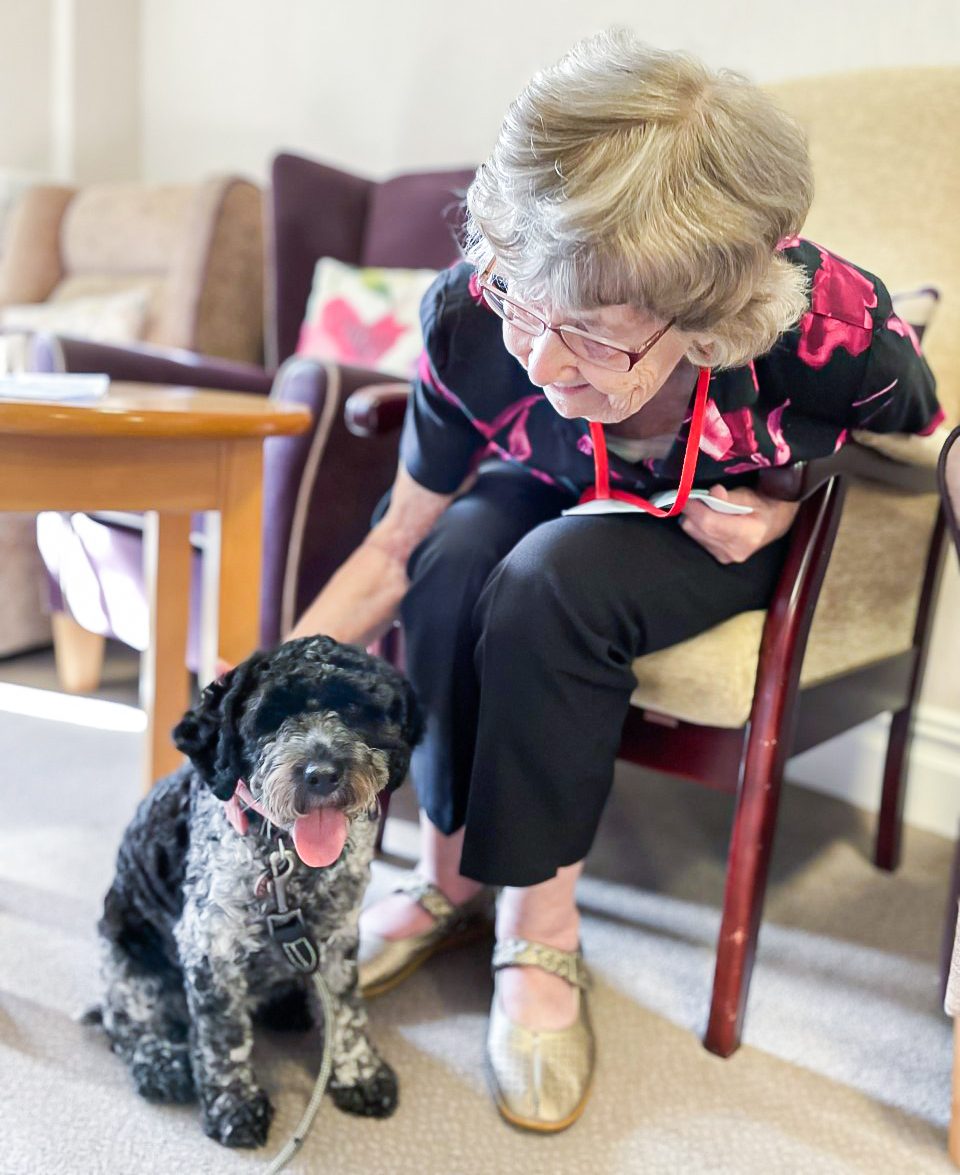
(321, 489)
(795, 483)
(377, 410)
(144, 364)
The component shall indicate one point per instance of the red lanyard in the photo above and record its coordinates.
(602, 465)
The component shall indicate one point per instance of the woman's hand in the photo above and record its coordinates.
(733, 538)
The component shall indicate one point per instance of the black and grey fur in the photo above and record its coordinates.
(187, 960)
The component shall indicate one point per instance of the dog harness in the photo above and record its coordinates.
(287, 928)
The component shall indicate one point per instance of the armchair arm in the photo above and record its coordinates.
(321, 488)
(792, 483)
(144, 364)
(377, 410)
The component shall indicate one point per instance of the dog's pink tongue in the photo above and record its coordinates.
(319, 838)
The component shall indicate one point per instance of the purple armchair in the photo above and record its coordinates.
(313, 211)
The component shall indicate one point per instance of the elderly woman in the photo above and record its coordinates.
(636, 302)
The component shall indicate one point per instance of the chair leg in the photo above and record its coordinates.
(950, 919)
(953, 1134)
(890, 822)
(78, 655)
(886, 853)
(751, 843)
(384, 813)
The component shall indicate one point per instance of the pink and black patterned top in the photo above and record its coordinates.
(851, 363)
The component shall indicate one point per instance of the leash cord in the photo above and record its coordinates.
(320, 1085)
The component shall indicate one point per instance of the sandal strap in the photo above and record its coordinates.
(427, 895)
(520, 952)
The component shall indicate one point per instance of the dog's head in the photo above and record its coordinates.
(316, 730)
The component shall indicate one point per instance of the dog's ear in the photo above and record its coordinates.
(209, 733)
(405, 716)
(405, 711)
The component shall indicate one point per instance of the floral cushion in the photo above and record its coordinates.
(365, 317)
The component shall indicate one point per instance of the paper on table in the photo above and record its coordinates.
(53, 386)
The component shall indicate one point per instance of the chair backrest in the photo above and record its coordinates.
(948, 473)
(887, 171)
(409, 221)
(196, 249)
(887, 168)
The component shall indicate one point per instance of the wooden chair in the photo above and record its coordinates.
(948, 474)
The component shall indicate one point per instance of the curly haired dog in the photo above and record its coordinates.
(316, 731)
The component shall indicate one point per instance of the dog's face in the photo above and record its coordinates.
(315, 729)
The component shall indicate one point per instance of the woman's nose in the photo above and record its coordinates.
(549, 361)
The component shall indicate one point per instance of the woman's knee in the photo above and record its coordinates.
(542, 583)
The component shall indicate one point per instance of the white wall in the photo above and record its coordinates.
(385, 85)
(70, 89)
(101, 96)
(25, 98)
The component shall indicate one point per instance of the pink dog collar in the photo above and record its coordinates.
(236, 808)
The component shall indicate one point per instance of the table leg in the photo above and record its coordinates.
(241, 547)
(164, 684)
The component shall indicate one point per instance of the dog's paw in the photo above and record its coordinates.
(238, 1119)
(374, 1098)
(161, 1071)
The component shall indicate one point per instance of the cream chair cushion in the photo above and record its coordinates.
(859, 618)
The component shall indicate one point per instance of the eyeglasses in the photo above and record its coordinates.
(584, 345)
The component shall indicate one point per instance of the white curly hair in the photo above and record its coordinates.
(626, 174)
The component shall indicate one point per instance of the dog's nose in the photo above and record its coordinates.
(321, 778)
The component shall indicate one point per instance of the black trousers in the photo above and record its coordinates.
(521, 627)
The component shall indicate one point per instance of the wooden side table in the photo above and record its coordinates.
(168, 452)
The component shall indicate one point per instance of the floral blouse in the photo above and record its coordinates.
(850, 363)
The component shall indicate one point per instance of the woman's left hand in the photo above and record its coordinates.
(733, 538)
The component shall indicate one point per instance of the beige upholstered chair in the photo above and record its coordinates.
(192, 255)
(888, 188)
(195, 249)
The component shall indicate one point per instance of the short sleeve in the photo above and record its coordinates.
(439, 441)
(898, 393)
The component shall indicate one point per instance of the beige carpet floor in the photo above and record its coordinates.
(845, 1066)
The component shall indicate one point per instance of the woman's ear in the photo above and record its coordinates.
(703, 351)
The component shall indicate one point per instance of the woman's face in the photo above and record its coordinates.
(577, 388)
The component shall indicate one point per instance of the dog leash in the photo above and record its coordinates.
(287, 928)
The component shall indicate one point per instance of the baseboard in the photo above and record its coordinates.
(851, 768)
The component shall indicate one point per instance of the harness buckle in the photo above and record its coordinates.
(289, 931)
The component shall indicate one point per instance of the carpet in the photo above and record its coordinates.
(847, 1053)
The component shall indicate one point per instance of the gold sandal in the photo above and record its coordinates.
(540, 1080)
(385, 962)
